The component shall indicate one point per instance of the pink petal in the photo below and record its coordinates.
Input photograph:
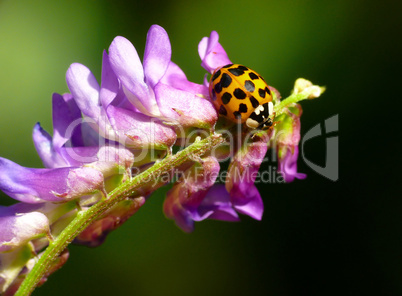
(212, 54)
(126, 64)
(109, 84)
(176, 78)
(85, 89)
(157, 54)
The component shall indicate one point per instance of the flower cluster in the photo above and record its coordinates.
(105, 134)
(192, 200)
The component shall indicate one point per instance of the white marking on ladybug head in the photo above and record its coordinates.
(251, 123)
(259, 109)
(270, 108)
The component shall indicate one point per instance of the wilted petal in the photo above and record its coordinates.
(185, 108)
(56, 264)
(174, 210)
(18, 228)
(96, 233)
(287, 137)
(288, 164)
(212, 54)
(37, 185)
(11, 264)
(157, 55)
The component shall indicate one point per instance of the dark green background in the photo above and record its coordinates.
(317, 237)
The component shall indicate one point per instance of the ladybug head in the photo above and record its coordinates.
(262, 117)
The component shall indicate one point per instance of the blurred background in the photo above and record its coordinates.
(317, 236)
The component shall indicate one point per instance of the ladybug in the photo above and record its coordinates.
(242, 95)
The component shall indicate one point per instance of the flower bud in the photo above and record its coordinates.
(305, 86)
(19, 227)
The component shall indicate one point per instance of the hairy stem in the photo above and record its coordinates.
(125, 190)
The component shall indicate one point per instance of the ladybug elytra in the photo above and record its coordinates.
(242, 95)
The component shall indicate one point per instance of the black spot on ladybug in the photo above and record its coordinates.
(253, 76)
(265, 111)
(213, 97)
(236, 71)
(227, 66)
(237, 115)
(218, 87)
(239, 94)
(254, 102)
(261, 92)
(222, 110)
(226, 80)
(255, 117)
(249, 85)
(216, 75)
(242, 108)
(244, 68)
(267, 90)
(226, 98)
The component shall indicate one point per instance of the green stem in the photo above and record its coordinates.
(295, 98)
(125, 190)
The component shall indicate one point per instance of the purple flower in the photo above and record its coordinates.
(244, 167)
(159, 88)
(216, 205)
(75, 143)
(109, 115)
(191, 199)
(212, 54)
(32, 185)
(242, 174)
(65, 114)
